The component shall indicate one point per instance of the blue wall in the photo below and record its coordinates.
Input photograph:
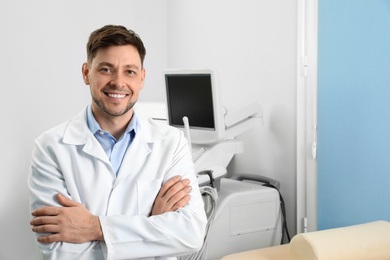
(353, 112)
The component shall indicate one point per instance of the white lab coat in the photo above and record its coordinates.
(68, 159)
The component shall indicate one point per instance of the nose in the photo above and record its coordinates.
(118, 80)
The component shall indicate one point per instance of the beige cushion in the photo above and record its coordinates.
(270, 253)
(360, 242)
(369, 241)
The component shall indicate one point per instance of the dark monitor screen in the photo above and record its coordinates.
(190, 95)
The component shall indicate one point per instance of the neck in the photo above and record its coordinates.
(115, 125)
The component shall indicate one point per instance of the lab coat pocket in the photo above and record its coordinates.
(147, 192)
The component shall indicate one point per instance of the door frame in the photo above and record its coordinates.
(307, 60)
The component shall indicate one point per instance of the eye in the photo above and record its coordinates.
(131, 72)
(105, 70)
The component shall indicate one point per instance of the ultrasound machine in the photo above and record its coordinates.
(246, 214)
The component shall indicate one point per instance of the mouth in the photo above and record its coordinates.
(115, 95)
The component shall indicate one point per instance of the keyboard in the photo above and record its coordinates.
(196, 155)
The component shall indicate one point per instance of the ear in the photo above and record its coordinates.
(85, 72)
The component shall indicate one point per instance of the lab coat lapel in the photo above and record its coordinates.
(133, 160)
(93, 148)
(137, 153)
(78, 133)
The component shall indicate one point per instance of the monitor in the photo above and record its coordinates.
(194, 94)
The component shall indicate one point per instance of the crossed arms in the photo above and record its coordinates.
(73, 223)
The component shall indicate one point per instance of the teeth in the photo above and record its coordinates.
(116, 95)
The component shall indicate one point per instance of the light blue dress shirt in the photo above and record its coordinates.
(115, 149)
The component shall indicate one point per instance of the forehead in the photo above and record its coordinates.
(125, 55)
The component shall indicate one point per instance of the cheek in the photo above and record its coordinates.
(95, 88)
(141, 84)
(96, 83)
(137, 86)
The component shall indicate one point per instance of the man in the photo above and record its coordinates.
(108, 184)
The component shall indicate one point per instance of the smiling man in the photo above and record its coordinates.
(115, 81)
(108, 184)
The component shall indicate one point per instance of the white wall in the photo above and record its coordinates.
(252, 44)
(42, 48)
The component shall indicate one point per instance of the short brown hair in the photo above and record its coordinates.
(114, 35)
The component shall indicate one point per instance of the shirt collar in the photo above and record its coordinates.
(94, 126)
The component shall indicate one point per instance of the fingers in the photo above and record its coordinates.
(168, 184)
(43, 221)
(178, 190)
(46, 224)
(178, 195)
(46, 211)
(54, 211)
(49, 238)
(55, 237)
(46, 229)
(174, 194)
(181, 203)
(66, 202)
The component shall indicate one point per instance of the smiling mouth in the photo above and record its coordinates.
(116, 95)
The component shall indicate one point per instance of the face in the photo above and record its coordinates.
(115, 77)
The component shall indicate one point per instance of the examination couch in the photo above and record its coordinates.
(370, 241)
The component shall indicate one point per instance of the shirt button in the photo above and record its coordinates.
(101, 132)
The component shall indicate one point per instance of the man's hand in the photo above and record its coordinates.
(71, 223)
(174, 194)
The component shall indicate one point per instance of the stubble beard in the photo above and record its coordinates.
(110, 112)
